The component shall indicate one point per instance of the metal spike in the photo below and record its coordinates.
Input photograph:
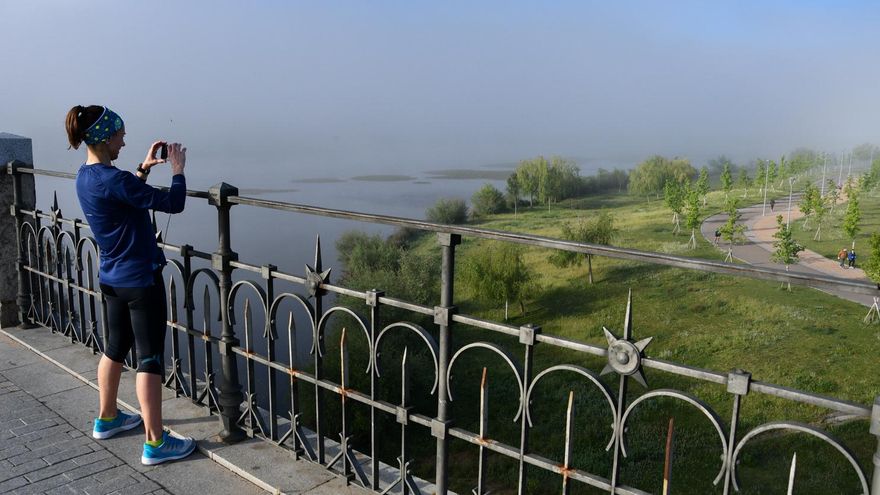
(484, 406)
(206, 300)
(343, 360)
(569, 429)
(627, 322)
(172, 299)
(291, 337)
(67, 263)
(318, 253)
(247, 320)
(640, 345)
(55, 201)
(667, 465)
(639, 376)
(404, 385)
(609, 336)
(90, 270)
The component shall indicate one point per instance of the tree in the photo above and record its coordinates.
(692, 216)
(833, 194)
(772, 174)
(783, 170)
(808, 202)
(560, 180)
(487, 201)
(530, 174)
(449, 211)
(761, 175)
(545, 181)
(497, 273)
(820, 209)
(851, 217)
(801, 160)
(787, 248)
(369, 262)
(650, 176)
(702, 186)
(513, 190)
(726, 180)
(865, 152)
(673, 198)
(732, 231)
(872, 270)
(598, 230)
(743, 181)
(716, 165)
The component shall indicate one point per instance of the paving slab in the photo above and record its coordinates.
(252, 466)
(41, 380)
(47, 445)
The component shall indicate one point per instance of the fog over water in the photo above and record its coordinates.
(266, 94)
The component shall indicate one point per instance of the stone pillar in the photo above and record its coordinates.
(13, 148)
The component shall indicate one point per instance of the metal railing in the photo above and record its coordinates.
(57, 289)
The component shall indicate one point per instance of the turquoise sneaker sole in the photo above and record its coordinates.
(170, 456)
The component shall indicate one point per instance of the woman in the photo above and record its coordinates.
(116, 204)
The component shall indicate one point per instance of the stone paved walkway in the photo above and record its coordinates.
(48, 400)
(759, 232)
(45, 448)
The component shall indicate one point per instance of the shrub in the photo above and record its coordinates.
(448, 210)
(487, 201)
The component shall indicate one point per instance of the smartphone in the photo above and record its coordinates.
(163, 151)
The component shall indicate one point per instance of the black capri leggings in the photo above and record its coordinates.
(137, 314)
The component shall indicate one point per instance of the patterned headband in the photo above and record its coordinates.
(106, 126)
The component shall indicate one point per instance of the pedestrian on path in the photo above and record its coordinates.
(772, 204)
(852, 258)
(717, 236)
(116, 204)
(842, 257)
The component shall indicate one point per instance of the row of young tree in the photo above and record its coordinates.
(498, 273)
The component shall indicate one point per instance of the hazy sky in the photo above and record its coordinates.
(279, 90)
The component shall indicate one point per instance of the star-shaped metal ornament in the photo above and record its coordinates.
(55, 215)
(624, 355)
(314, 279)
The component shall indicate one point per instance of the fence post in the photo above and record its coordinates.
(16, 193)
(230, 389)
(443, 318)
(875, 430)
(527, 337)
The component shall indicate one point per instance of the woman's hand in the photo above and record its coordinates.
(177, 156)
(151, 159)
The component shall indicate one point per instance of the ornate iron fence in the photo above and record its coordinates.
(57, 290)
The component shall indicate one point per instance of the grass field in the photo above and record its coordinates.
(803, 339)
(832, 236)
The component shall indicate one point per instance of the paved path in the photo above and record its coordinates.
(46, 445)
(759, 232)
(47, 404)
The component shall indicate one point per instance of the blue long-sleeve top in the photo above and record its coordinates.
(116, 205)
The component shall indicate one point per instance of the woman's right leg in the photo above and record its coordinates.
(120, 338)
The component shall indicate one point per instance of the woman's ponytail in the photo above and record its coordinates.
(79, 119)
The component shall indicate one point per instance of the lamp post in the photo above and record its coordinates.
(766, 178)
(788, 222)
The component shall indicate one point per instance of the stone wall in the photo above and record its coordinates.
(12, 147)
